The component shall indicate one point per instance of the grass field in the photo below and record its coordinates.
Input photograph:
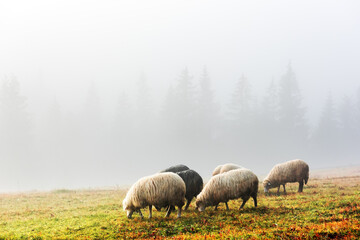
(328, 208)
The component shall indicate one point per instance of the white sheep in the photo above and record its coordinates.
(217, 170)
(161, 189)
(225, 168)
(238, 183)
(292, 171)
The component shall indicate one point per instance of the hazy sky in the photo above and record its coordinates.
(62, 46)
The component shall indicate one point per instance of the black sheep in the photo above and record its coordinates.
(176, 168)
(194, 184)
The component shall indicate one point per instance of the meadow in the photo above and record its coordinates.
(328, 208)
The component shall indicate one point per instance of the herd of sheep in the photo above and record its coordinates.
(170, 187)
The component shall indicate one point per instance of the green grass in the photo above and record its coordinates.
(328, 208)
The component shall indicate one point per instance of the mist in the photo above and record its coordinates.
(101, 93)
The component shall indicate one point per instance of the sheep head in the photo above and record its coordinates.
(200, 205)
(267, 185)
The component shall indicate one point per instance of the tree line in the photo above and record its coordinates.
(190, 126)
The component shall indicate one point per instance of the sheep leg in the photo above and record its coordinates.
(278, 189)
(169, 211)
(216, 206)
(301, 185)
(150, 211)
(179, 212)
(227, 207)
(244, 201)
(187, 204)
(284, 188)
(255, 201)
(141, 215)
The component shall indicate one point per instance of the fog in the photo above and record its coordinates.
(101, 93)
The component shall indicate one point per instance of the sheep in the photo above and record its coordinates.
(176, 168)
(217, 170)
(238, 183)
(161, 189)
(224, 168)
(292, 171)
(228, 167)
(194, 184)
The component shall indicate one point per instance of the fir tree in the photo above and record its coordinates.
(293, 127)
(14, 119)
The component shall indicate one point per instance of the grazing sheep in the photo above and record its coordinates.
(176, 168)
(224, 168)
(161, 189)
(238, 183)
(291, 171)
(194, 184)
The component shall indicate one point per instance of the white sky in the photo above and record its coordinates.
(60, 47)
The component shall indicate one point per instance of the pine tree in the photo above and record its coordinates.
(184, 96)
(124, 120)
(53, 129)
(347, 126)
(92, 125)
(168, 110)
(144, 119)
(143, 99)
(325, 136)
(268, 121)
(240, 134)
(14, 119)
(357, 112)
(92, 109)
(357, 119)
(270, 105)
(208, 110)
(242, 103)
(293, 127)
(184, 120)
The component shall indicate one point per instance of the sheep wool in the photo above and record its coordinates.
(238, 183)
(217, 170)
(228, 167)
(194, 184)
(292, 171)
(161, 189)
(225, 168)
